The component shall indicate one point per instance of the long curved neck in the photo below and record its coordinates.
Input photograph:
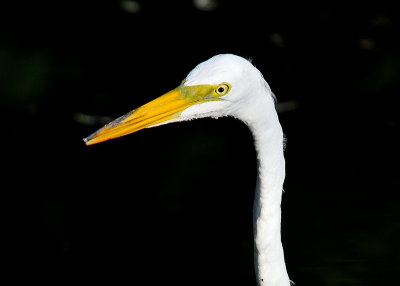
(269, 259)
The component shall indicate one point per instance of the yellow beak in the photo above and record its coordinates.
(162, 109)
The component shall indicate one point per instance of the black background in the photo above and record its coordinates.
(173, 205)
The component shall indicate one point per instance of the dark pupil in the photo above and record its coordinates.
(221, 90)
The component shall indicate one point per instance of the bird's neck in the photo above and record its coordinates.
(269, 259)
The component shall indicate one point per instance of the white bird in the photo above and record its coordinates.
(229, 85)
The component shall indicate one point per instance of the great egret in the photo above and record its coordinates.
(228, 85)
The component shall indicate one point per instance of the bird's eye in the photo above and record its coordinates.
(222, 89)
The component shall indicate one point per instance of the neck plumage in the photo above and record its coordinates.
(269, 259)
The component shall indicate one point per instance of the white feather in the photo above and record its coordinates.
(251, 100)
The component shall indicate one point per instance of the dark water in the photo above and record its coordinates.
(172, 205)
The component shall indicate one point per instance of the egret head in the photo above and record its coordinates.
(224, 85)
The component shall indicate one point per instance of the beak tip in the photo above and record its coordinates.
(88, 140)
